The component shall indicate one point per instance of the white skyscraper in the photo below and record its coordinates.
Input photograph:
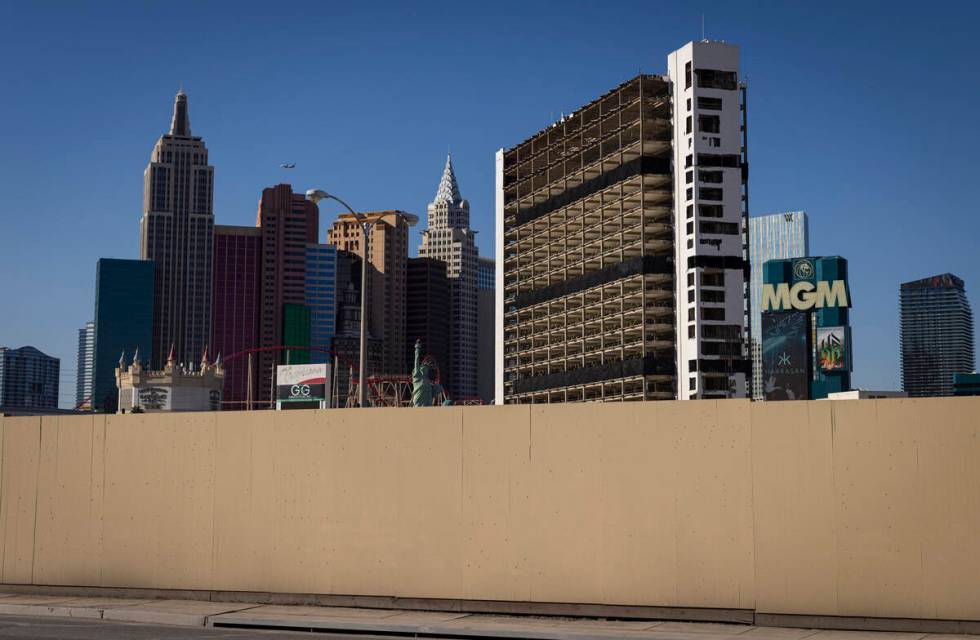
(449, 238)
(709, 220)
(85, 364)
(621, 243)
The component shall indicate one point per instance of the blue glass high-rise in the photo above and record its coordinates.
(123, 323)
(321, 298)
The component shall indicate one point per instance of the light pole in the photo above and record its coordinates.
(315, 196)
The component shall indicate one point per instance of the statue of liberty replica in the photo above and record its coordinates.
(425, 391)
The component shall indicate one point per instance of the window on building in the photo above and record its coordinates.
(688, 104)
(708, 193)
(714, 104)
(714, 79)
(713, 295)
(729, 160)
(709, 279)
(711, 177)
(713, 313)
(716, 383)
(687, 125)
(690, 295)
(709, 124)
(690, 211)
(689, 160)
(690, 331)
(690, 279)
(690, 228)
(689, 177)
(687, 75)
(722, 332)
(690, 193)
(692, 384)
(720, 228)
(710, 210)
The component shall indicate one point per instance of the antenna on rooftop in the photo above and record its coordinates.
(702, 26)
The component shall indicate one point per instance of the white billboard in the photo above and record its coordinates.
(303, 383)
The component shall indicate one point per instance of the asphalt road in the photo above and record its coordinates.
(31, 628)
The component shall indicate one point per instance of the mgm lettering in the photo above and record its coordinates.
(804, 295)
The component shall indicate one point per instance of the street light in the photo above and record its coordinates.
(315, 196)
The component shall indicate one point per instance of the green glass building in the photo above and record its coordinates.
(123, 323)
(966, 384)
(296, 332)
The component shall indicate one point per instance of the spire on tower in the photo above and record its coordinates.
(181, 123)
(448, 188)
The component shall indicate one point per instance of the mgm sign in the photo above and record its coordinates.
(803, 295)
(806, 337)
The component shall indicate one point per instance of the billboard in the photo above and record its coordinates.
(785, 356)
(302, 382)
(832, 349)
(152, 398)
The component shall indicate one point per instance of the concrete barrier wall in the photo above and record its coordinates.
(860, 508)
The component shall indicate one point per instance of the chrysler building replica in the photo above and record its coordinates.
(450, 239)
(176, 234)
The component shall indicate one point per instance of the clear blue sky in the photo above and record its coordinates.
(860, 113)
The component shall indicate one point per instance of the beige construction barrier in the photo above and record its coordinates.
(855, 508)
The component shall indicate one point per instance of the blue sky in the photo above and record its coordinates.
(860, 114)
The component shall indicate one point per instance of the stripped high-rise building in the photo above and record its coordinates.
(450, 239)
(621, 243)
(176, 233)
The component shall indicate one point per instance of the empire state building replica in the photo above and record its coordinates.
(450, 239)
(176, 234)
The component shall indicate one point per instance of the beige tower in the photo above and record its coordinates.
(386, 270)
(176, 233)
(450, 239)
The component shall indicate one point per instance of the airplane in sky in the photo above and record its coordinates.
(288, 165)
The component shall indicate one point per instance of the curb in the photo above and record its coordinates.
(448, 629)
(59, 611)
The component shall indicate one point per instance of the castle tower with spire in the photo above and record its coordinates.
(176, 234)
(449, 238)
